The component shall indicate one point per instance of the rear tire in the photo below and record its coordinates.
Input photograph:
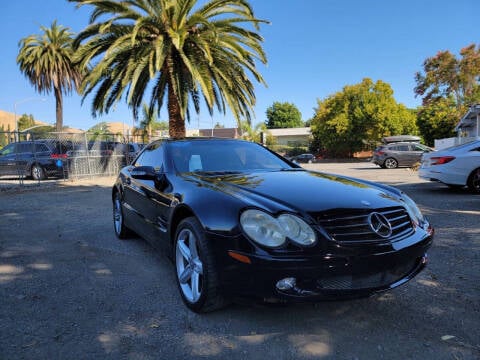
(37, 172)
(474, 181)
(197, 276)
(390, 163)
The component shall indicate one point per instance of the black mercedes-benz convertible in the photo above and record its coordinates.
(241, 221)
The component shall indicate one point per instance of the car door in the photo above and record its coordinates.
(402, 154)
(150, 203)
(417, 152)
(17, 162)
(7, 160)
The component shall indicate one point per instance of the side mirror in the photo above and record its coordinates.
(143, 173)
(149, 173)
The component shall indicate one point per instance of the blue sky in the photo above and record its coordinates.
(314, 49)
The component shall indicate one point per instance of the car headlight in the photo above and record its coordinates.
(273, 232)
(297, 230)
(413, 210)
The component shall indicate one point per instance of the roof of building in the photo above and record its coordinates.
(470, 118)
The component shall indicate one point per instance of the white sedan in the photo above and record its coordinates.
(456, 166)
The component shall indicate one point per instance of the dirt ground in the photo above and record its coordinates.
(70, 290)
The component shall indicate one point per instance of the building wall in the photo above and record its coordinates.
(287, 140)
(291, 135)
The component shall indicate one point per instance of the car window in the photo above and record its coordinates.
(400, 148)
(41, 147)
(25, 147)
(61, 147)
(153, 156)
(9, 149)
(418, 147)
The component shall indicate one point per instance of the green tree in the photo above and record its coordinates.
(437, 119)
(358, 117)
(25, 121)
(149, 118)
(283, 115)
(444, 75)
(249, 133)
(42, 132)
(3, 136)
(180, 50)
(255, 133)
(46, 61)
(160, 125)
(100, 131)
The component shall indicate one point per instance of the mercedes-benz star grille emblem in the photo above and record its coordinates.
(380, 225)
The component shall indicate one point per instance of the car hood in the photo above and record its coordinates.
(303, 191)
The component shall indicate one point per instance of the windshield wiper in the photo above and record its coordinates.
(216, 173)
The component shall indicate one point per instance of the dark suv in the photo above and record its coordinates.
(393, 155)
(304, 158)
(37, 159)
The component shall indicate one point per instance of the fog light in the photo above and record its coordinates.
(286, 284)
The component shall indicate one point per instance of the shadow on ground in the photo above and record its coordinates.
(70, 289)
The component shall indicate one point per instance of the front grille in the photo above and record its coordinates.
(352, 226)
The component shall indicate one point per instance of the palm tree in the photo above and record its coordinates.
(46, 60)
(149, 118)
(177, 50)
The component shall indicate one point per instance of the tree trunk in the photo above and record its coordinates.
(58, 110)
(175, 120)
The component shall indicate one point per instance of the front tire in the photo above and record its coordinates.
(474, 181)
(121, 231)
(37, 172)
(390, 163)
(197, 276)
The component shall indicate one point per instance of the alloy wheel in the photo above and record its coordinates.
(189, 266)
(37, 172)
(391, 163)
(117, 215)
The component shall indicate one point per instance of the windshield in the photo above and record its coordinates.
(222, 156)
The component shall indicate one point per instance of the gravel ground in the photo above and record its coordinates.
(70, 290)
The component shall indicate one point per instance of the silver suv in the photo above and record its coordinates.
(393, 155)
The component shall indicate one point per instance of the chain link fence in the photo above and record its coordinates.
(28, 155)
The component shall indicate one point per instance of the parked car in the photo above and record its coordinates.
(37, 159)
(456, 166)
(304, 158)
(393, 155)
(59, 146)
(240, 221)
(130, 150)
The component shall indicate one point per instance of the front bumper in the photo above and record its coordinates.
(323, 277)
